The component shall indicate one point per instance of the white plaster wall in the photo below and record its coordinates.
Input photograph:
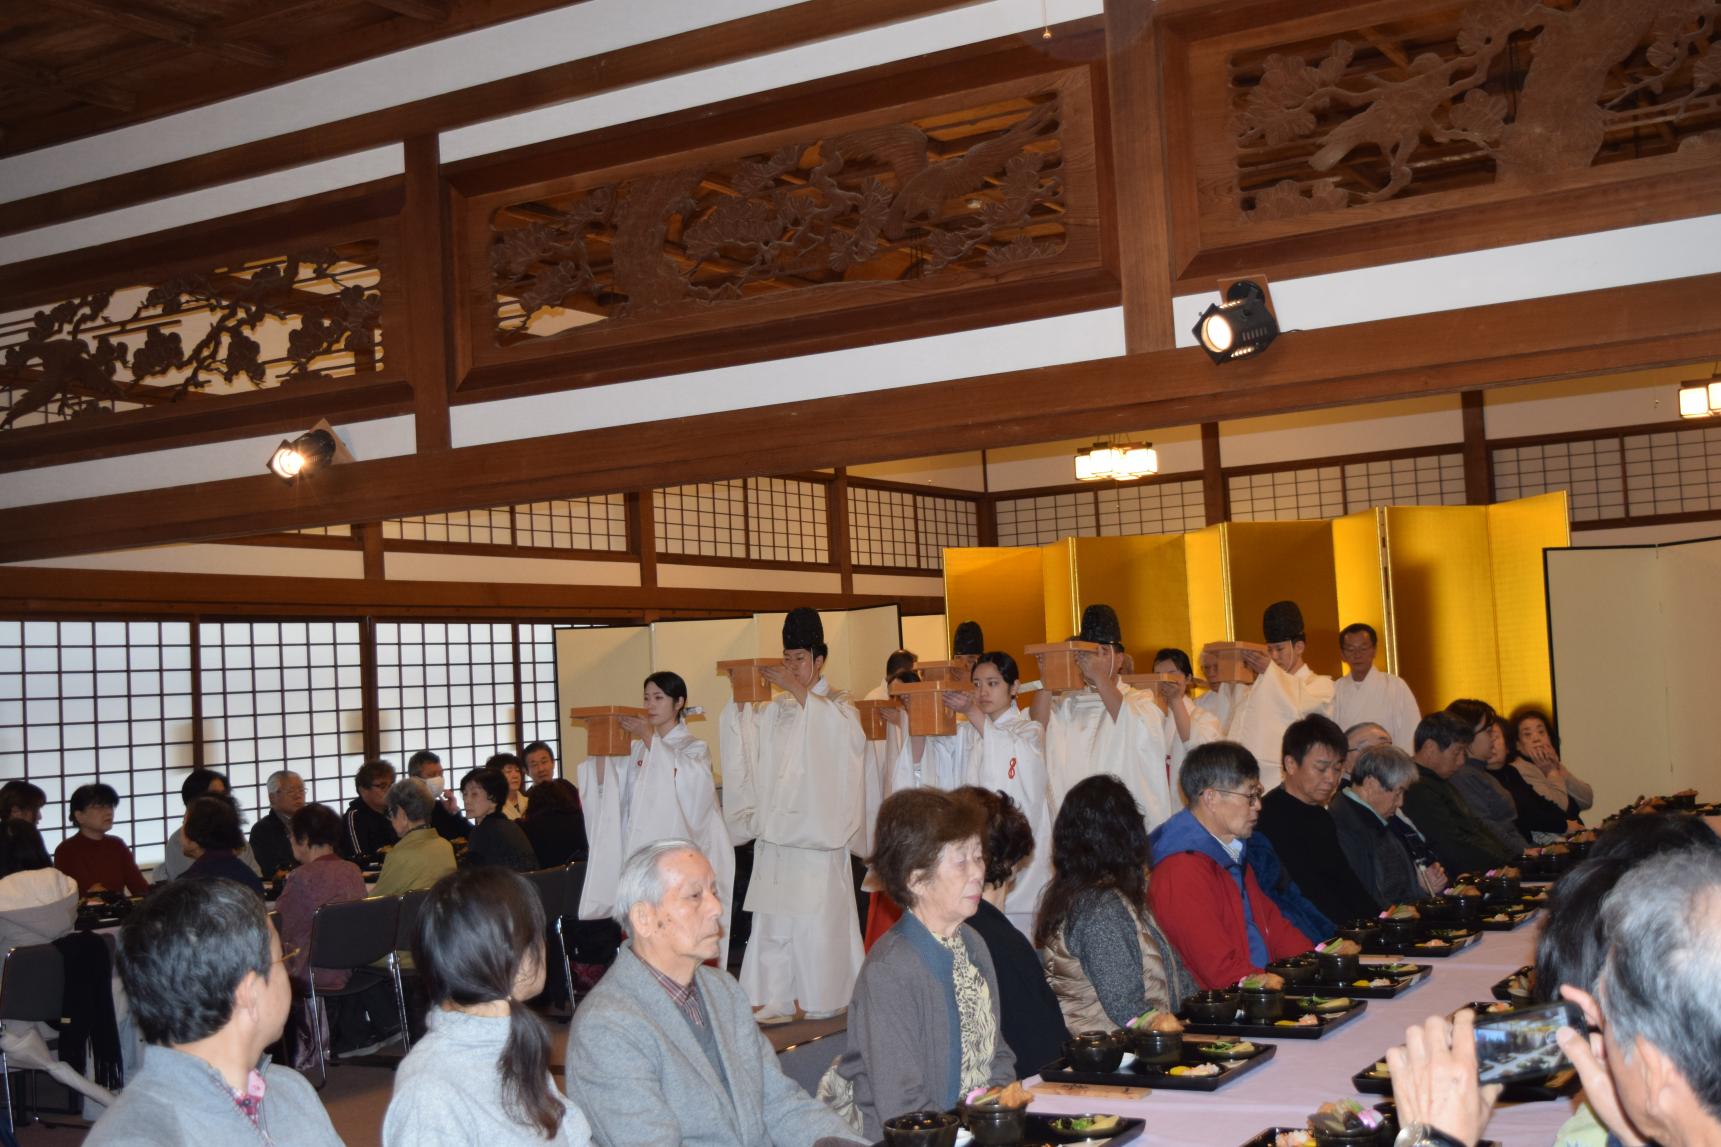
(1588, 403)
(201, 558)
(953, 471)
(1647, 535)
(739, 577)
(478, 568)
(899, 585)
(1396, 425)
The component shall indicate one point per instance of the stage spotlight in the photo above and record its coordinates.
(1240, 326)
(312, 451)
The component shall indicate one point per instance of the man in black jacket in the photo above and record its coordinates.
(444, 815)
(271, 837)
(1461, 841)
(367, 824)
(1294, 817)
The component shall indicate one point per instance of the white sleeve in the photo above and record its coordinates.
(738, 745)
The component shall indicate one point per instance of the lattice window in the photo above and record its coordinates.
(107, 701)
(1590, 471)
(708, 519)
(325, 531)
(574, 524)
(1152, 508)
(786, 521)
(540, 719)
(463, 527)
(1426, 480)
(1046, 518)
(882, 528)
(282, 694)
(1673, 471)
(447, 687)
(944, 523)
(1286, 495)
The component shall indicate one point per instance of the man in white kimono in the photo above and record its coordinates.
(1285, 690)
(880, 755)
(1367, 694)
(792, 782)
(1106, 727)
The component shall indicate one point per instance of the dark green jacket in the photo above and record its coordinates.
(1462, 842)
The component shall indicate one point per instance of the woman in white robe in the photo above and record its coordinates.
(1187, 725)
(1004, 750)
(1104, 728)
(663, 789)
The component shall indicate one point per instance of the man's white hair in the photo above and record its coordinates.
(641, 880)
(279, 778)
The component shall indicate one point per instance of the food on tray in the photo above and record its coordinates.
(1380, 1070)
(1307, 1020)
(1345, 1115)
(1226, 1048)
(1086, 1124)
(1012, 1094)
(1325, 1003)
(1200, 1069)
(1401, 912)
(1436, 942)
(1154, 1020)
(1339, 947)
(1382, 982)
(1464, 890)
(1507, 873)
(1293, 1139)
(1262, 981)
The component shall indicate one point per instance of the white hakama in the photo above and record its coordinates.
(1009, 757)
(1084, 740)
(1382, 698)
(1203, 728)
(1256, 716)
(795, 786)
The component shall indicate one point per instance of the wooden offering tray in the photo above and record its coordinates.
(605, 736)
(956, 673)
(1058, 668)
(928, 715)
(747, 679)
(872, 717)
(1231, 668)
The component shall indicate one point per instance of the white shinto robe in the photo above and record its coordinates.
(1203, 728)
(939, 767)
(1010, 758)
(793, 782)
(1382, 698)
(1083, 740)
(660, 793)
(1256, 716)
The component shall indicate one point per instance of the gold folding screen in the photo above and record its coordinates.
(1455, 592)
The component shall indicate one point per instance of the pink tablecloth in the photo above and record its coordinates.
(1304, 1074)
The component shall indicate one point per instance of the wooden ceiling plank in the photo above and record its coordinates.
(1596, 332)
(431, 11)
(16, 73)
(169, 30)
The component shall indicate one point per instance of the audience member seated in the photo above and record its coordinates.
(21, 800)
(540, 763)
(198, 783)
(445, 818)
(368, 831)
(1487, 799)
(321, 877)
(554, 823)
(1363, 814)
(482, 1072)
(665, 1048)
(1105, 955)
(1204, 892)
(1536, 757)
(97, 861)
(38, 903)
(1033, 1021)
(1437, 809)
(924, 1019)
(421, 857)
(212, 839)
(1275, 880)
(514, 808)
(1296, 819)
(272, 837)
(495, 840)
(1365, 735)
(203, 970)
(1649, 1065)
(1539, 820)
(1573, 943)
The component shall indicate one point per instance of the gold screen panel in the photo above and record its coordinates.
(1518, 532)
(1145, 579)
(1274, 561)
(1208, 584)
(1058, 579)
(1002, 589)
(1442, 582)
(928, 635)
(1359, 576)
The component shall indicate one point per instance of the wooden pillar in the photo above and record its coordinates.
(426, 275)
(370, 537)
(368, 691)
(1138, 172)
(1215, 498)
(642, 519)
(1478, 464)
(839, 519)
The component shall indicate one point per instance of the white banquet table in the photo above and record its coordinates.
(1306, 1073)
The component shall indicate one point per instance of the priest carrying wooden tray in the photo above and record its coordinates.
(1285, 689)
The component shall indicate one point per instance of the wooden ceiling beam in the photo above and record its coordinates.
(169, 30)
(431, 11)
(15, 74)
(1596, 332)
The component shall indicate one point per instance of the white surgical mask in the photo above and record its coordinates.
(434, 784)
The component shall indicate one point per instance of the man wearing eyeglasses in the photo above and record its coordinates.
(1294, 817)
(1204, 893)
(369, 830)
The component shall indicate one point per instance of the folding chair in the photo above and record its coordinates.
(32, 985)
(559, 889)
(351, 936)
(406, 930)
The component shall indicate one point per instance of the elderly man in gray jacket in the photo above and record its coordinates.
(665, 1050)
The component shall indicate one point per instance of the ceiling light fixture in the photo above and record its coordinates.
(312, 451)
(1116, 462)
(1240, 326)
